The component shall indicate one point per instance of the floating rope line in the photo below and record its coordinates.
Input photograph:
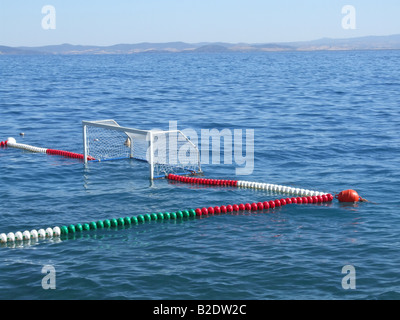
(247, 184)
(10, 142)
(56, 232)
(301, 196)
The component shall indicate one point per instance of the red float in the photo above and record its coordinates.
(348, 196)
(271, 204)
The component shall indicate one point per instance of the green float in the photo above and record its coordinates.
(107, 223)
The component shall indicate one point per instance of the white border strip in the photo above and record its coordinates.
(13, 144)
(30, 235)
(278, 188)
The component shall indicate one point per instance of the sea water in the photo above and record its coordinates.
(325, 121)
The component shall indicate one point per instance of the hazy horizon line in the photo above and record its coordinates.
(203, 42)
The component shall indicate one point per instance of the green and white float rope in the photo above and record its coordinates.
(143, 218)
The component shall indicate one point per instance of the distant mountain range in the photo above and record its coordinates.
(325, 44)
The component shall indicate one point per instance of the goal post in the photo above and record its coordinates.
(165, 151)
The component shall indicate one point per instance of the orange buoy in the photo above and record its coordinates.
(348, 196)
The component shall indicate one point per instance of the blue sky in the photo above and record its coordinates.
(132, 21)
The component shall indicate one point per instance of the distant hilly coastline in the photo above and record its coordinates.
(391, 42)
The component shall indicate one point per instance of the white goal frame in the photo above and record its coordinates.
(150, 142)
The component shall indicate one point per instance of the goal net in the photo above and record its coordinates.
(165, 151)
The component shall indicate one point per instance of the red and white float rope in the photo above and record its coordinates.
(11, 142)
(248, 184)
